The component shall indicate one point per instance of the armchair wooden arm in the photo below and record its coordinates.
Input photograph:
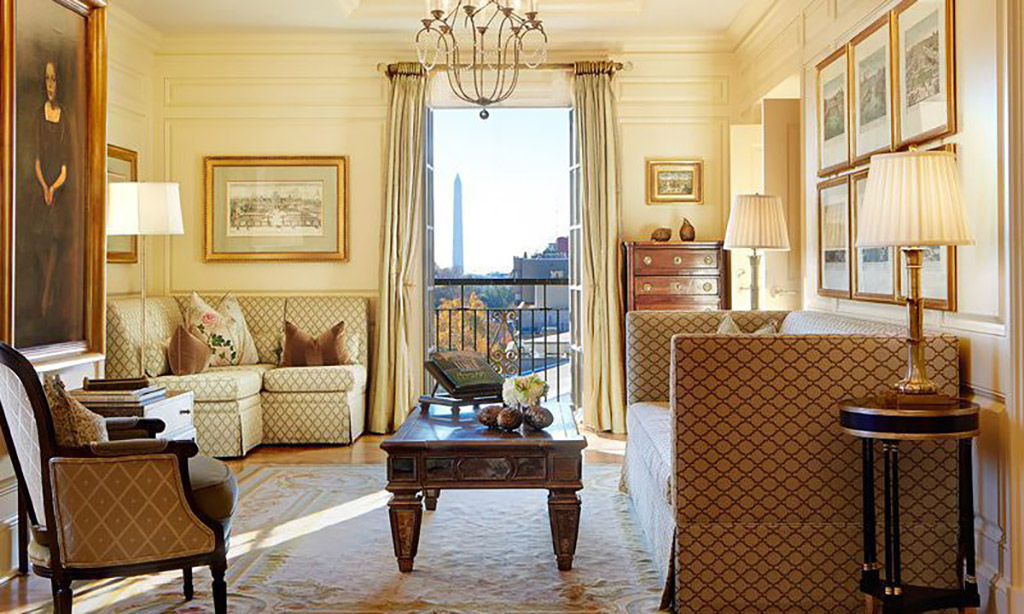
(133, 428)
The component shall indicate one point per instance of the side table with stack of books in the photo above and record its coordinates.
(123, 400)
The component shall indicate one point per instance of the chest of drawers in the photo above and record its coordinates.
(676, 276)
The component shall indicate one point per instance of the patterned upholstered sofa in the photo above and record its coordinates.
(741, 480)
(237, 408)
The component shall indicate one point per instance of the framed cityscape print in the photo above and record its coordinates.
(53, 195)
(925, 70)
(673, 182)
(122, 166)
(276, 208)
(938, 278)
(874, 268)
(834, 269)
(833, 113)
(871, 91)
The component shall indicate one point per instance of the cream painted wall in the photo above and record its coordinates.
(796, 35)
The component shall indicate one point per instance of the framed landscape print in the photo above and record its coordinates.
(834, 238)
(276, 208)
(925, 70)
(938, 278)
(52, 209)
(833, 113)
(874, 268)
(122, 166)
(871, 91)
(672, 182)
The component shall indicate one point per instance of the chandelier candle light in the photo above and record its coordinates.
(913, 200)
(757, 222)
(483, 44)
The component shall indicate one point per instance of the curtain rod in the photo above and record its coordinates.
(618, 66)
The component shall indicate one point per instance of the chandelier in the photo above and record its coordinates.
(482, 44)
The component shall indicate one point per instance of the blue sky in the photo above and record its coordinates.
(515, 183)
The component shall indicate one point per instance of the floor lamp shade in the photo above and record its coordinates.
(144, 209)
(913, 199)
(757, 222)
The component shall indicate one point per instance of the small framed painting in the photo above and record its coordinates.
(925, 70)
(673, 182)
(833, 113)
(122, 166)
(276, 208)
(834, 238)
(874, 268)
(938, 278)
(871, 91)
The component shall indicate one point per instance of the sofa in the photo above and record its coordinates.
(745, 488)
(239, 407)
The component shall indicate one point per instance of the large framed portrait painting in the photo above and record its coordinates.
(276, 209)
(53, 203)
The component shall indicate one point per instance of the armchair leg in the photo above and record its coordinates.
(62, 596)
(189, 590)
(220, 588)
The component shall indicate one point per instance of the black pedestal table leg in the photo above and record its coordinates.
(869, 573)
(896, 574)
(887, 510)
(966, 487)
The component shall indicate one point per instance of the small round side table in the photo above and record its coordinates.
(892, 419)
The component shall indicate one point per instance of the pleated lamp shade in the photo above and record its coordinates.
(913, 199)
(144, 209)
(757, 222)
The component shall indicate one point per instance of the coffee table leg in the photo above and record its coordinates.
(564, 511)
(430, 497)
(406, 512)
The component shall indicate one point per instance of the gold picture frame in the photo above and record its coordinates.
(860, 279)
(244, 218)
(872, 83)
(122, 165)
(46, 38)
(839, 235)
(675, 181)
(833, 112)
(927, 115)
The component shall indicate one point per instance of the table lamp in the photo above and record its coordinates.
(757, 222)
(142, 209)
(913, 200)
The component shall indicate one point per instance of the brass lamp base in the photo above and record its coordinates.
(916, 383)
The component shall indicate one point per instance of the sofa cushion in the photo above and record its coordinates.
(218, 384)
(339, 378)
(821, 323)
(318, 313)
(650, 442)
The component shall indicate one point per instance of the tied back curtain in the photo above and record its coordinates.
(597, 142)
(392, 392)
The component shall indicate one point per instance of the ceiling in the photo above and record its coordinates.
(573, 19)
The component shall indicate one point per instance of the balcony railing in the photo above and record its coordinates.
(527, 334)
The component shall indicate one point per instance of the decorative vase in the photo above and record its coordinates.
(662, 235)
(537, 417)
(510, 418)
(488, 416)
(687, 232)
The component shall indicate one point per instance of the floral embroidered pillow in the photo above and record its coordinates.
(222, 329)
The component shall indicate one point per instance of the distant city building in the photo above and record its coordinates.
(552, 263)
(458, 261)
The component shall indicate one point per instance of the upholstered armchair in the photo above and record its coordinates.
(121, 508)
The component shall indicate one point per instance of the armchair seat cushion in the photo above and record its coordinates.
(218, 384)
(341, 378)
(214, 487)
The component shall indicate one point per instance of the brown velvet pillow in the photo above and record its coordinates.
(187, 353)
(302, 350)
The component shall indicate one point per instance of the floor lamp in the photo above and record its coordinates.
(913, 200)
(757, 222)
(141, 210)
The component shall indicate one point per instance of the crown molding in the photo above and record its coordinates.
(122, 23)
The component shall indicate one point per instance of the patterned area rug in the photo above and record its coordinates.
(316, 539)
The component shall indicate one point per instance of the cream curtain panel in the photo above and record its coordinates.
(596, 130)
(392, 392)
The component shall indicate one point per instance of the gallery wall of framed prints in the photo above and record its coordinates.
(889, 88)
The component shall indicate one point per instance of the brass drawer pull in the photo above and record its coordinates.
(677, 260)
(708, 286)
(647, 287)
(647, 260)
(708, 260)
(678, 287)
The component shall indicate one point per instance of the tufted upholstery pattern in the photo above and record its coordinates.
(768, 496)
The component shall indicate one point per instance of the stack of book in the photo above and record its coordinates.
(113, 399)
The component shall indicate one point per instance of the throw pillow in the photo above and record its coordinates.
(223, 330)
(187, 353)
(729, 327)
(302, 350)
(75, 425)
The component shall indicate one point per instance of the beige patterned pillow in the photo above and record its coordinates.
(75, 425)
(224, 330)
(729, 327)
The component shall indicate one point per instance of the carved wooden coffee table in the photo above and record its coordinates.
(440, 449)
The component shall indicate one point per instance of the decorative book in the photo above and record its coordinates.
(464, 375)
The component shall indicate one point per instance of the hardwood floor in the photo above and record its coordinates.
(20, 595)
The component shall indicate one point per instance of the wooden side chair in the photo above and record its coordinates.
(114, 509)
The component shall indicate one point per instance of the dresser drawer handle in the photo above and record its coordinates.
(647, 287)
(708, 286)
(647, 260)
(678, 287)
(708, 260)
(677, 260)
